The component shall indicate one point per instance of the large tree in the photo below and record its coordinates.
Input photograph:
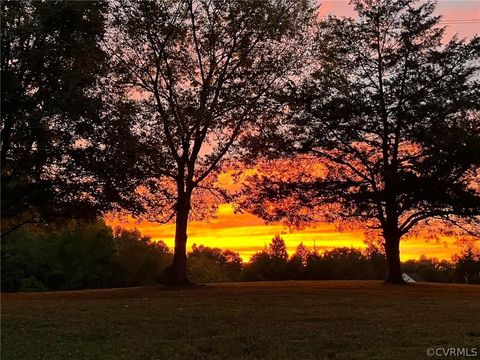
(203, 73)
(51, 63)
(391, 112)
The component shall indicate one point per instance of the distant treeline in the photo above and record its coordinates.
(80, 256)
(92, 255)
(345, 263)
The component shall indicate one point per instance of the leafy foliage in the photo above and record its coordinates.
(204, 73)
(213, 265)
(392, 114)
(51, 65)
(269, 264)
(80, 256)
(467, 266)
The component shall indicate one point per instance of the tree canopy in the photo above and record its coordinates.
(203, 74)
(51, 64)
(391, 113)
(138, 106)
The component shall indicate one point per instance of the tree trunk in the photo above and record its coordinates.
(391, 232)
(392, 250)
(176, 274)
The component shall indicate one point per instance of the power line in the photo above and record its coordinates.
(459, 23)
(461, 20)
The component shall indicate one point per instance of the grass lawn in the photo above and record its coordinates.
(268, 320)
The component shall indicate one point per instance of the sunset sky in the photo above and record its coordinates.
(247, 234)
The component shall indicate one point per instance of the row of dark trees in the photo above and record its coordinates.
(273, 263)
(139, 105)
(92, 255)
(80, 256)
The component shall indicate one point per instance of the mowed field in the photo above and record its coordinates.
(266, 320)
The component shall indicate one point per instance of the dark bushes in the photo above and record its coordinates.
(92, 255)
(80, 256)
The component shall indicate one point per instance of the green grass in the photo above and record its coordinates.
(269, 320)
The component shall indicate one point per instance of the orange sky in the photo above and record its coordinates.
(247, 234)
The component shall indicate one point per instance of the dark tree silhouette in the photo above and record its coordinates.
(277, 248)
(207, 264)
(302, 252)
(80, 255)
(467, 265)
(50, 67)
(298, 262)
(269, 264)
(392, 114)
(203, 73)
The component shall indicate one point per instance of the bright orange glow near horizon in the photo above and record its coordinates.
(247, 234)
